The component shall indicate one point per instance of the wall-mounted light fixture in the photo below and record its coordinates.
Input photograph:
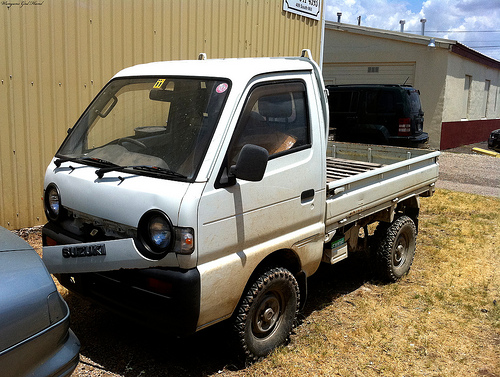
(432, 43)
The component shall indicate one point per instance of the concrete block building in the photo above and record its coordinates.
(460, 87)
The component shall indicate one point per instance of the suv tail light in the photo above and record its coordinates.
(404, 127)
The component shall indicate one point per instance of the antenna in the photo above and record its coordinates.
(406, 80)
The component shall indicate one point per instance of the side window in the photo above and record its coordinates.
(343, 102)
(379, 102)
(275, 117)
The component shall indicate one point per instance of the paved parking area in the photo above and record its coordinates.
(463, 170)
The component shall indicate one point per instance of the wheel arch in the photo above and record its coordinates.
(286, 258)
(411, 208)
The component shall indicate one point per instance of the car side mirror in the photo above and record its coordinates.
(251, 164)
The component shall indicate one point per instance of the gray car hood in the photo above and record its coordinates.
(25, 286)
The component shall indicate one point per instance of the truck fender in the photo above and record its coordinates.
(214, 307)
(282, 258)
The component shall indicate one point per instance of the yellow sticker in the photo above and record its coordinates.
(159, 84)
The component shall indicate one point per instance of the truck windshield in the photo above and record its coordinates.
(164, 123)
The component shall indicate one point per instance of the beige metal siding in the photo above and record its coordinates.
(55, 55)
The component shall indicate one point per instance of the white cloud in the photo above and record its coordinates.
(477, 20)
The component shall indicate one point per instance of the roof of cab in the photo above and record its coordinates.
(242, 68)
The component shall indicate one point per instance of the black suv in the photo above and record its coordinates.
(377, 114)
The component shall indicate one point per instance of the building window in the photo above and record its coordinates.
(373, 69)
(467, 95)
(487, 85)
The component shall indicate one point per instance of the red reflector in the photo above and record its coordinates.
(159, 286)
(404, 127)
(50, 242)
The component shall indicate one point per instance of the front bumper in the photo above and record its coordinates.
(166, 298)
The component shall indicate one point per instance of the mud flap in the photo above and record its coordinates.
(99, 256)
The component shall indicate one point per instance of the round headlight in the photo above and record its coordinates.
(52, 202)
(156, 235)
(160, 232)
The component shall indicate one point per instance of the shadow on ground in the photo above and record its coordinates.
(114, 345)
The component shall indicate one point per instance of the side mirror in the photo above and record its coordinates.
(251, 164)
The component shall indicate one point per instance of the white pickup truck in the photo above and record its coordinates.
(192, 192)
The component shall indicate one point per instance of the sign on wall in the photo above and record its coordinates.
(306, 8)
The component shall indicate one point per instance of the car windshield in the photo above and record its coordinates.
(163, 123)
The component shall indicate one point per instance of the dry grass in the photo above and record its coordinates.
(443, 319)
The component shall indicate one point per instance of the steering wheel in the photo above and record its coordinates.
(130, 140)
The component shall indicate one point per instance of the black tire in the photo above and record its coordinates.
(267, 313)
(395, 249)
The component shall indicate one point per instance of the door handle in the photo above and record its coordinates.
(307, 196)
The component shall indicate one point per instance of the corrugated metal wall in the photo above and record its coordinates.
(55, 55)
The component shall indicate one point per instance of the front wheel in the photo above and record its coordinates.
(267, 313)
(396, 248)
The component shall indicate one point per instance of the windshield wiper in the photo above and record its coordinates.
(153, 169)
(96, 160)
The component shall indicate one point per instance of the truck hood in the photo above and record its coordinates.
(132, 195)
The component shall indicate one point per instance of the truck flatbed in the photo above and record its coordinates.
(365, 179)
(337, 168)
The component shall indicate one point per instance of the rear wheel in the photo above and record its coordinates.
(395, 249)
(267, 313)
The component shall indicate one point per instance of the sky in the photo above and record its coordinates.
(474, 23)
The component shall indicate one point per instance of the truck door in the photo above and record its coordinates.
(241, 221)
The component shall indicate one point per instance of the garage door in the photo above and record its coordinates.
(369, 73)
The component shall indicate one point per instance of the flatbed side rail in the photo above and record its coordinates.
(395, 168)
(378, 154)
(357, 196)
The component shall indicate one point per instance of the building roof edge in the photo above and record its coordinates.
(469, 53)
(449, 44)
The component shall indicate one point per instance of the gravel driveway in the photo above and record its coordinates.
(463, 170)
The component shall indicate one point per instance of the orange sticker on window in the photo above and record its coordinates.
(159, 84)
